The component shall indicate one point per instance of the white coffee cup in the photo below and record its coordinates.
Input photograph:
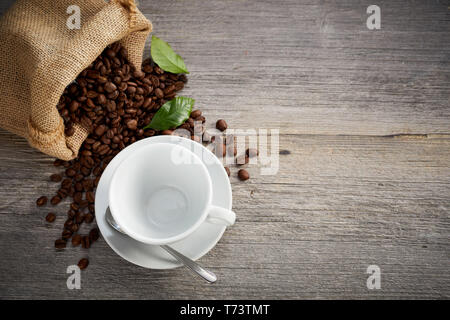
(161, 193)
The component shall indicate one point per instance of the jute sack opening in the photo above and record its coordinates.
(40, 56)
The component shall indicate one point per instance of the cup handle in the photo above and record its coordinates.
(218, 215)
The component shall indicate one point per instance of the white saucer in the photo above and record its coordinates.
(200, 242)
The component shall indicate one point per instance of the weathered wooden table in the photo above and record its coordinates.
(365, 115)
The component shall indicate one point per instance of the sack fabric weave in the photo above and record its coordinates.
(40, 56)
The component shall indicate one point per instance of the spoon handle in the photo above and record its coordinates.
(205, 274)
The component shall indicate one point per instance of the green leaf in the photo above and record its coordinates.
(172, 114)
(164, 56)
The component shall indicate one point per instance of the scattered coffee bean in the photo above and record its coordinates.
(55, 200)
(41, 201)
(94, 234)
(85, 242)
(90, 197)
(243, 175)
(56, 177)
(221, 125)
(88, 218)
(83, 263)
(60, 244)
(76, 240)
(50, 217)
(195, 114)
(66, 234)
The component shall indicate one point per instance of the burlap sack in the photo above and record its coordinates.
(40, 56)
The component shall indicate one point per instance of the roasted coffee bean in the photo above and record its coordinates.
(68, 223)
(94, 234)
(93, 74)
(227, 170)
(77, 197)
(138, 74)
(55, 200)
(88, 218)
(76, 240)
(79, 217)
(167, 132)
(50, 217)
(103, 149)
(57, 163)
(71, 213)
(85, 242)
(62, 193)
(90, 196)
(76, 166)
(83, 263)
(251, 152)
(60, 244)
(85, 171)
(101, 99)
(132, 124)
(41, 201)
(74, 228)
(70, 172)
(100, 130)
(201, 119)
(66, 234)
(66, 183)
(243, 175)
(195, 114)
(74, 105)
(110, 87)
(159, 93)
(56, 177)
(88, 184)
(221, 125)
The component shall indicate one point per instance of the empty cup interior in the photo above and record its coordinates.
(160, 192)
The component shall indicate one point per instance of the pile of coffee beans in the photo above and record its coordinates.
(114, 102)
